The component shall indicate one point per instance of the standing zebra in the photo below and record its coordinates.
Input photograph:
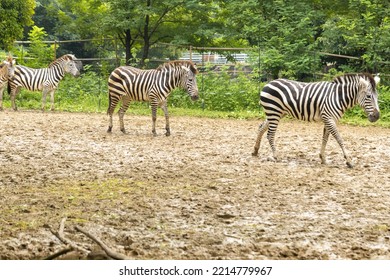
(325, 101)
(7, 71)
(43, 79)
(127, 84)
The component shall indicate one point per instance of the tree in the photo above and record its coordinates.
(142, 23)
(14, 16)
(363, 32)
(284, 30)
(42, 53)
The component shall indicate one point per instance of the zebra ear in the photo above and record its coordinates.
(377, 79)
(185, 68)
(363, 85)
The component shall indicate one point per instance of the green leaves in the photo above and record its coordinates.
(14, 16)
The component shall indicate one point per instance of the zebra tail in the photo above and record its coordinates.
(109, 103)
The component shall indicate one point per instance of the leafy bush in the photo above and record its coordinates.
(221, 91)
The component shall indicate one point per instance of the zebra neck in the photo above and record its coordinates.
(346, 96)
(170, 80)
(3, 72)
(57, 72)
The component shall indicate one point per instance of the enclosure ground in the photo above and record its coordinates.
(198, 194)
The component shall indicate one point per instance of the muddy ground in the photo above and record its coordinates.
(198, 194)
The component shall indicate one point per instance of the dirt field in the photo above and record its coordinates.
(198, 194)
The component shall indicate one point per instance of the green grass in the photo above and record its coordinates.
(99, 104)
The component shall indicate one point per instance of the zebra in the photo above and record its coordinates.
(43, 79)
(7, 71)
(317, 101)
(127, 84)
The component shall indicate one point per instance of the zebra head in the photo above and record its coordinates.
(368, 97)
(71, 68)
(71, 65)
(188, 80)
(10, 63)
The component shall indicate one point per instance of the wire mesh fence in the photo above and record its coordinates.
(241, 70)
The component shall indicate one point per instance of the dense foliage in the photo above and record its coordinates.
(292, 35)
(15, 15)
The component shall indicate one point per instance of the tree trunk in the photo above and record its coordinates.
(145, 53)
(128, 44)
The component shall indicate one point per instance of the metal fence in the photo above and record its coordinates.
(109, 54)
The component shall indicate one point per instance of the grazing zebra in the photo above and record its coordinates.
(7, 70)
(43, 79)
(319, 101)
(127, 84)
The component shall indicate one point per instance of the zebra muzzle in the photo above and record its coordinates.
(374, 116)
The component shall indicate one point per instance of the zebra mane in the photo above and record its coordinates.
(62, 58)
(9, 59)
(366, 76)
(177, 63)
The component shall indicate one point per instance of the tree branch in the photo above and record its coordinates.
(59, 253)
(61, 237)
(109, 252)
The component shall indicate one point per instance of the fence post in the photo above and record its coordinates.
(55, 49)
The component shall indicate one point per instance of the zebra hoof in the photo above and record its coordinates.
(255, 153)
(109, 130)
(123, 130)
(271, 158)
(349, 164)
(167, 133)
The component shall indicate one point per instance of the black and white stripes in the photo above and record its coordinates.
(43, 79)
(320, 101)
(127, 84)
(7, 71)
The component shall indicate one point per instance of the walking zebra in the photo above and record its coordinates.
(7, 71)
(325, 101)
(127, 84)
(43, 79)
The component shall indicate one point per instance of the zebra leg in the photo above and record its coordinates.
(52, 100)
(165, 109)
(331, 127)
(273, 125)
(44, 94)
(14, 92)
(113, 102)
(1, 97)
(262, 128)
(153, 104)
(325, 138)
(122, 111)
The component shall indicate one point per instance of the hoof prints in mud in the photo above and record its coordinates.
(198, 194)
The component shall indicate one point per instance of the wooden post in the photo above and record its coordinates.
(55, 49)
